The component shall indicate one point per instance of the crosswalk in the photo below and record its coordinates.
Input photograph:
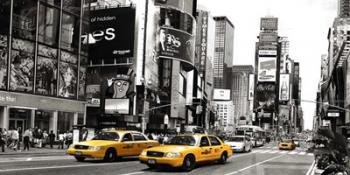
(276, 151)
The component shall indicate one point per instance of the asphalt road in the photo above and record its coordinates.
(261, 161)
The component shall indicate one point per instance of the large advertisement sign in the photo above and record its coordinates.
(267, 69)
(222, 94)
(265, 96)
(251, 87)
(268, 23)
(112, 33)
(176, 44)
(284, 87)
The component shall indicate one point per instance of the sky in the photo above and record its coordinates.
(304, 22)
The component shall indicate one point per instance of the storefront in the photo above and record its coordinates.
(24, 111)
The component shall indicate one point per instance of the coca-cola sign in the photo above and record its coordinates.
(284, 87)
(176, 44)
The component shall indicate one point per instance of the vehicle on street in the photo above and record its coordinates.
(257, 134)
(286, 144)
(109, 145)
(185, 151)
(240, 143)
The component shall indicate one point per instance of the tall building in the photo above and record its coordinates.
(223, 58)
(225, 110)
(240, 89)
(343, 8)
(42, 65)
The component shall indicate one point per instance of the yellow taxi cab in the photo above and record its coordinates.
(185, 151)
(287, 144)
(109, 145)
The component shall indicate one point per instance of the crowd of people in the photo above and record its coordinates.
(15, 139)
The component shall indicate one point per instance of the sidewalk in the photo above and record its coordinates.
(46, 150)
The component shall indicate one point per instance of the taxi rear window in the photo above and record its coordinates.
(182, 140)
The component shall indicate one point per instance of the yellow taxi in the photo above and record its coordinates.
(185, 151)
(287, 144)
(109, 145)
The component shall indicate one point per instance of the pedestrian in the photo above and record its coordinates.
(26, 139)
(45, 138)
(150, 136)
(69, 138)
(40, 137)
(14, 138)
(2, 140)
(20, 137)
(60, 141)
(51, 138)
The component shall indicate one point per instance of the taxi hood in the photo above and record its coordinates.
(98, 143)
(170, 148)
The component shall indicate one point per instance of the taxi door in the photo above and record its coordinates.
(205, 149)
(127, 146)
(140, 142)
(216, 146)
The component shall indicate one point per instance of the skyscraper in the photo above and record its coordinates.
(343, 8)
(223, 57)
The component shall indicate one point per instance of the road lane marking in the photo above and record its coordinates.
(256, 151)
(265, 151)
(36, 159)
(302, 153)
(311, 168)
(256, 164)
(273, 152)
(293, 152)
(139, 172)
(310, 154)
(58, 167)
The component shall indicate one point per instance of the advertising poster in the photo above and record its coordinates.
(176, 44)
(22, 66)
(251, 87)
(284, 87)
(222, 94)
(265, 96)
(112, 33)
(46, 76)
(267, 69)
(3, 61)
(68, 80)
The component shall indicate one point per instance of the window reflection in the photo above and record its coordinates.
(24, 18)
(48, 25)
(72, 6)
(70, 32)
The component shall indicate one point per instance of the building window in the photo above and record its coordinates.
(48, 25)
(22, 66)
(46, 73)
(64, 121)
(68, 75)
(70, 32)
(72, 6)
(4, 31)
(24, 19)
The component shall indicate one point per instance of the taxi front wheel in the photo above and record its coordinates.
(223, 158)
(189, 163)
(110, 155)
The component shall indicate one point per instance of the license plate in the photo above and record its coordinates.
(78, 153)
(151, 161)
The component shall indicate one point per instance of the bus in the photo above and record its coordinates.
(256, 133)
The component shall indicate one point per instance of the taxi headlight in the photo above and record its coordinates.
(172, 155)
(143, 153)
(94, 148)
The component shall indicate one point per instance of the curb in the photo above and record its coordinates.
(311, 170)
(33, 152)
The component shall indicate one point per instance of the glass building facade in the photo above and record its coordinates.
(41, 57)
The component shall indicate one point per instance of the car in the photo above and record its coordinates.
(185, 151)
(287, 144)
(111, 144)
(240, 143)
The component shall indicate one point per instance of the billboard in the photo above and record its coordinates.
(222, 94)
(269, 23)
(111, 33)
(265, 96)
(251, 87)
(267, 69)
(117, 106)
(176, 44)
(284, 87)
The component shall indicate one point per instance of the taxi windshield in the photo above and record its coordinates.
(236, 139)
(182, 140)
(106, 136)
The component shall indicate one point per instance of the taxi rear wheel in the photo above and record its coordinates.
(79, 159)
(189, 163)
(110, 155)
(223, 158)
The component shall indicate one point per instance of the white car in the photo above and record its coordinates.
(240, 143)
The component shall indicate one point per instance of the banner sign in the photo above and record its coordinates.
(267, 69)
(265, 97)
(176, 44)
(284, 87)
(251, 87)
(111, 33)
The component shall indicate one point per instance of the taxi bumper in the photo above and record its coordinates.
(173, 162)
(86, 153)
(285, 147)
